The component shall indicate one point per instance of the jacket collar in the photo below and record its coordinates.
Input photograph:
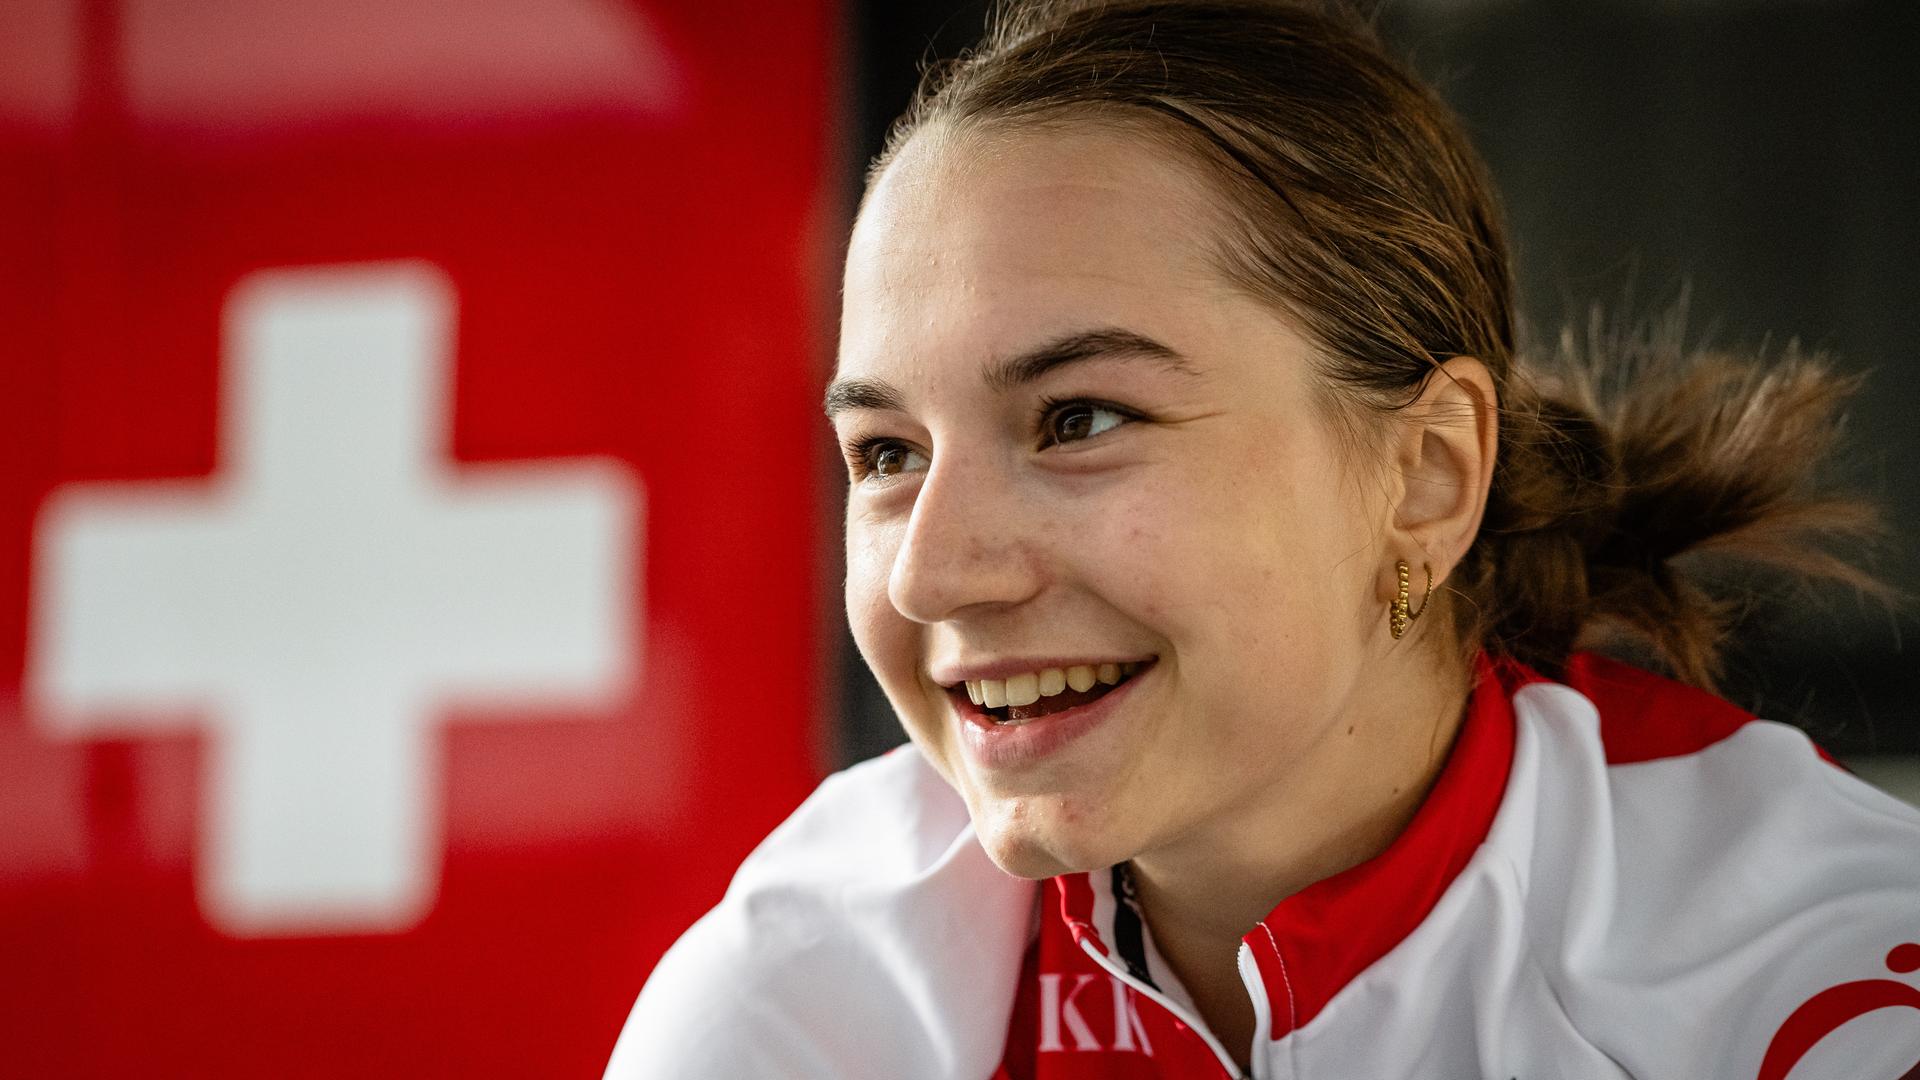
(1314, 942)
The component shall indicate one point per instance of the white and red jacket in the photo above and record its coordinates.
(1614, 877)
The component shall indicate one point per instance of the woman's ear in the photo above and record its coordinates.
(1444, 452)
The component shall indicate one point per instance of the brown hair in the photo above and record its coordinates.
(1360, 209)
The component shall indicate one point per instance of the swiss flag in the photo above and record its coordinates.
(409, 517)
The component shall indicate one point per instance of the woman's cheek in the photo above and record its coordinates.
(869, 612)
(891, 644)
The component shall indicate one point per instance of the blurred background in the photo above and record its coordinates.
(419, 573)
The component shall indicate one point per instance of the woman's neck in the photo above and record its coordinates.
(1356, 791)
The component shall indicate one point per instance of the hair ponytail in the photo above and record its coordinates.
(1629, 461)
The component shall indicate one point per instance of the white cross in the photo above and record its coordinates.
(333, 587)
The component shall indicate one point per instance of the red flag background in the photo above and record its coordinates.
(409, 517)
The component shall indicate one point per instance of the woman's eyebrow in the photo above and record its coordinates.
(1110, 342)
(847, 394)
(1107, 341)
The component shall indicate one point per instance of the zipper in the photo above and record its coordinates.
(1119, 971)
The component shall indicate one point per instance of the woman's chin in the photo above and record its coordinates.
(1026, 860)
(1036, 843)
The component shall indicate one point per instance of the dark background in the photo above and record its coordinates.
(1760, 156)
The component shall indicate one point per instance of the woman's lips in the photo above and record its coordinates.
(1006, 746)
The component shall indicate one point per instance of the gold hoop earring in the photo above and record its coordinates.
(1399, 616)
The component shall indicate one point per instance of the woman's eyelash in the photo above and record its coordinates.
(1051, 407)
(860, 452)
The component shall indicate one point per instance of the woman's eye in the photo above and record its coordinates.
(881, 458)
(1074, 421)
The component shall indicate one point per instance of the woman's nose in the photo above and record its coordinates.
(967, 543)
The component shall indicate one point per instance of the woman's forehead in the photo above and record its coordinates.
(1085, 224)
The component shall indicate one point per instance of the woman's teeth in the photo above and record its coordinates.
(1034, 685)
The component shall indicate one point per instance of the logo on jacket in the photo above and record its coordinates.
(1060, 1015)
(1826, 1011)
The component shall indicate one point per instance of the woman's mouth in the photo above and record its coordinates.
(1020, 698)
(1056, 707)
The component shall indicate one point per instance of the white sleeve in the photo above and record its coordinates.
(869, 935)
(1754, 890)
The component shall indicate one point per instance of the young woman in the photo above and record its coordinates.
(1236, 587)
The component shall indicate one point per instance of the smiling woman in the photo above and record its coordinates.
(1235, 581)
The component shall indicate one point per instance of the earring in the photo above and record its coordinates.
(1399, 616)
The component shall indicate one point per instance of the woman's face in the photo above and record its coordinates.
(1083, 446)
